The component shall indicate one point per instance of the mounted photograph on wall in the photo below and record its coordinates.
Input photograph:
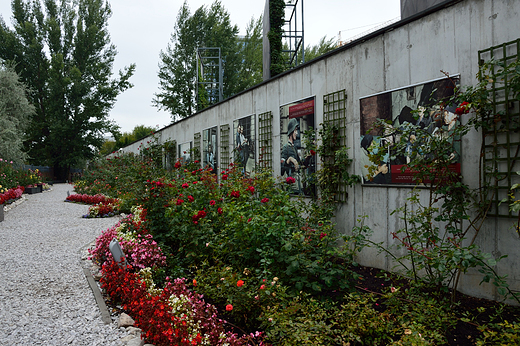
(209, 149)
(244, 148)
(385, 116)
(296, 168)
(185, 152)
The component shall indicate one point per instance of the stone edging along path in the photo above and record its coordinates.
(45, 296)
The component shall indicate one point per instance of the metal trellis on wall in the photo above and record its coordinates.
(501, 136)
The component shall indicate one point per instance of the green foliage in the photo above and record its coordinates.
(354, 320)
(276, 23)
(247, 293)
(502, 333)
(324, 46)
(251, 50)
(63, 54)
(15, 113)
(126, 138)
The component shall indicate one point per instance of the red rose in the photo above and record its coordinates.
(252, 189)
(212, 202)
(179, 201)
(323, 235)
(265, 200)
(240, 283)
(290, 180)
(201, 214)
(235, 194)
(219, 210)
(185, 185)
(177, 164)
(190, 198)
(229, 307)
(224, 177)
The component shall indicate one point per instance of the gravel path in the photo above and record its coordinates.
(44, 296)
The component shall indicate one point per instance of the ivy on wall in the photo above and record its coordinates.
(276, 23)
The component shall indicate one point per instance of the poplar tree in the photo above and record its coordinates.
(62, 52)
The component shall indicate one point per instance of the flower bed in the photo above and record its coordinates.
(7, 195)
(102, 206)
(171, 315)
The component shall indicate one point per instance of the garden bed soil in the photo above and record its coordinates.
(465, 333)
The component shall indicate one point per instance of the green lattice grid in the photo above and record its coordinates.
(170, 155)
(197, 147)
(335, 114)
(502, 138)
(265, 138)
(224, 146)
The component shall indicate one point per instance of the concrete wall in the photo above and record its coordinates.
(406, 53)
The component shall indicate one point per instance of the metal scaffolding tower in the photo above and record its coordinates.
(209, 76)
(293, 37)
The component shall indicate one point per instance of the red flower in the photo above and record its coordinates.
(177, 164)
(249, 220)
(179, 201)
(201, 214)
(194, 282)
(195, 182)
(290, 180)
(313, 152)
(190, 198)
(229, 307)
(252, 189)
(323, 235)
(265, 200)
(224, 177)
(212, 202)
(240, 283)
(219, 210)
(185, 185)
(235, 194)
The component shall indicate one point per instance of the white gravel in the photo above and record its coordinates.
(44, 296)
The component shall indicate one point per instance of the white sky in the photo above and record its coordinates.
(140, 29)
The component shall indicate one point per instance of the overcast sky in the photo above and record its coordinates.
(140, 29)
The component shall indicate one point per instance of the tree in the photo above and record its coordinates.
(251, 51)
(323, 46)
(178, 65)
(124, 139)
(65, 56)
(15, 111)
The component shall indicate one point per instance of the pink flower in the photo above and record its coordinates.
(262, 287)
(290, 180)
